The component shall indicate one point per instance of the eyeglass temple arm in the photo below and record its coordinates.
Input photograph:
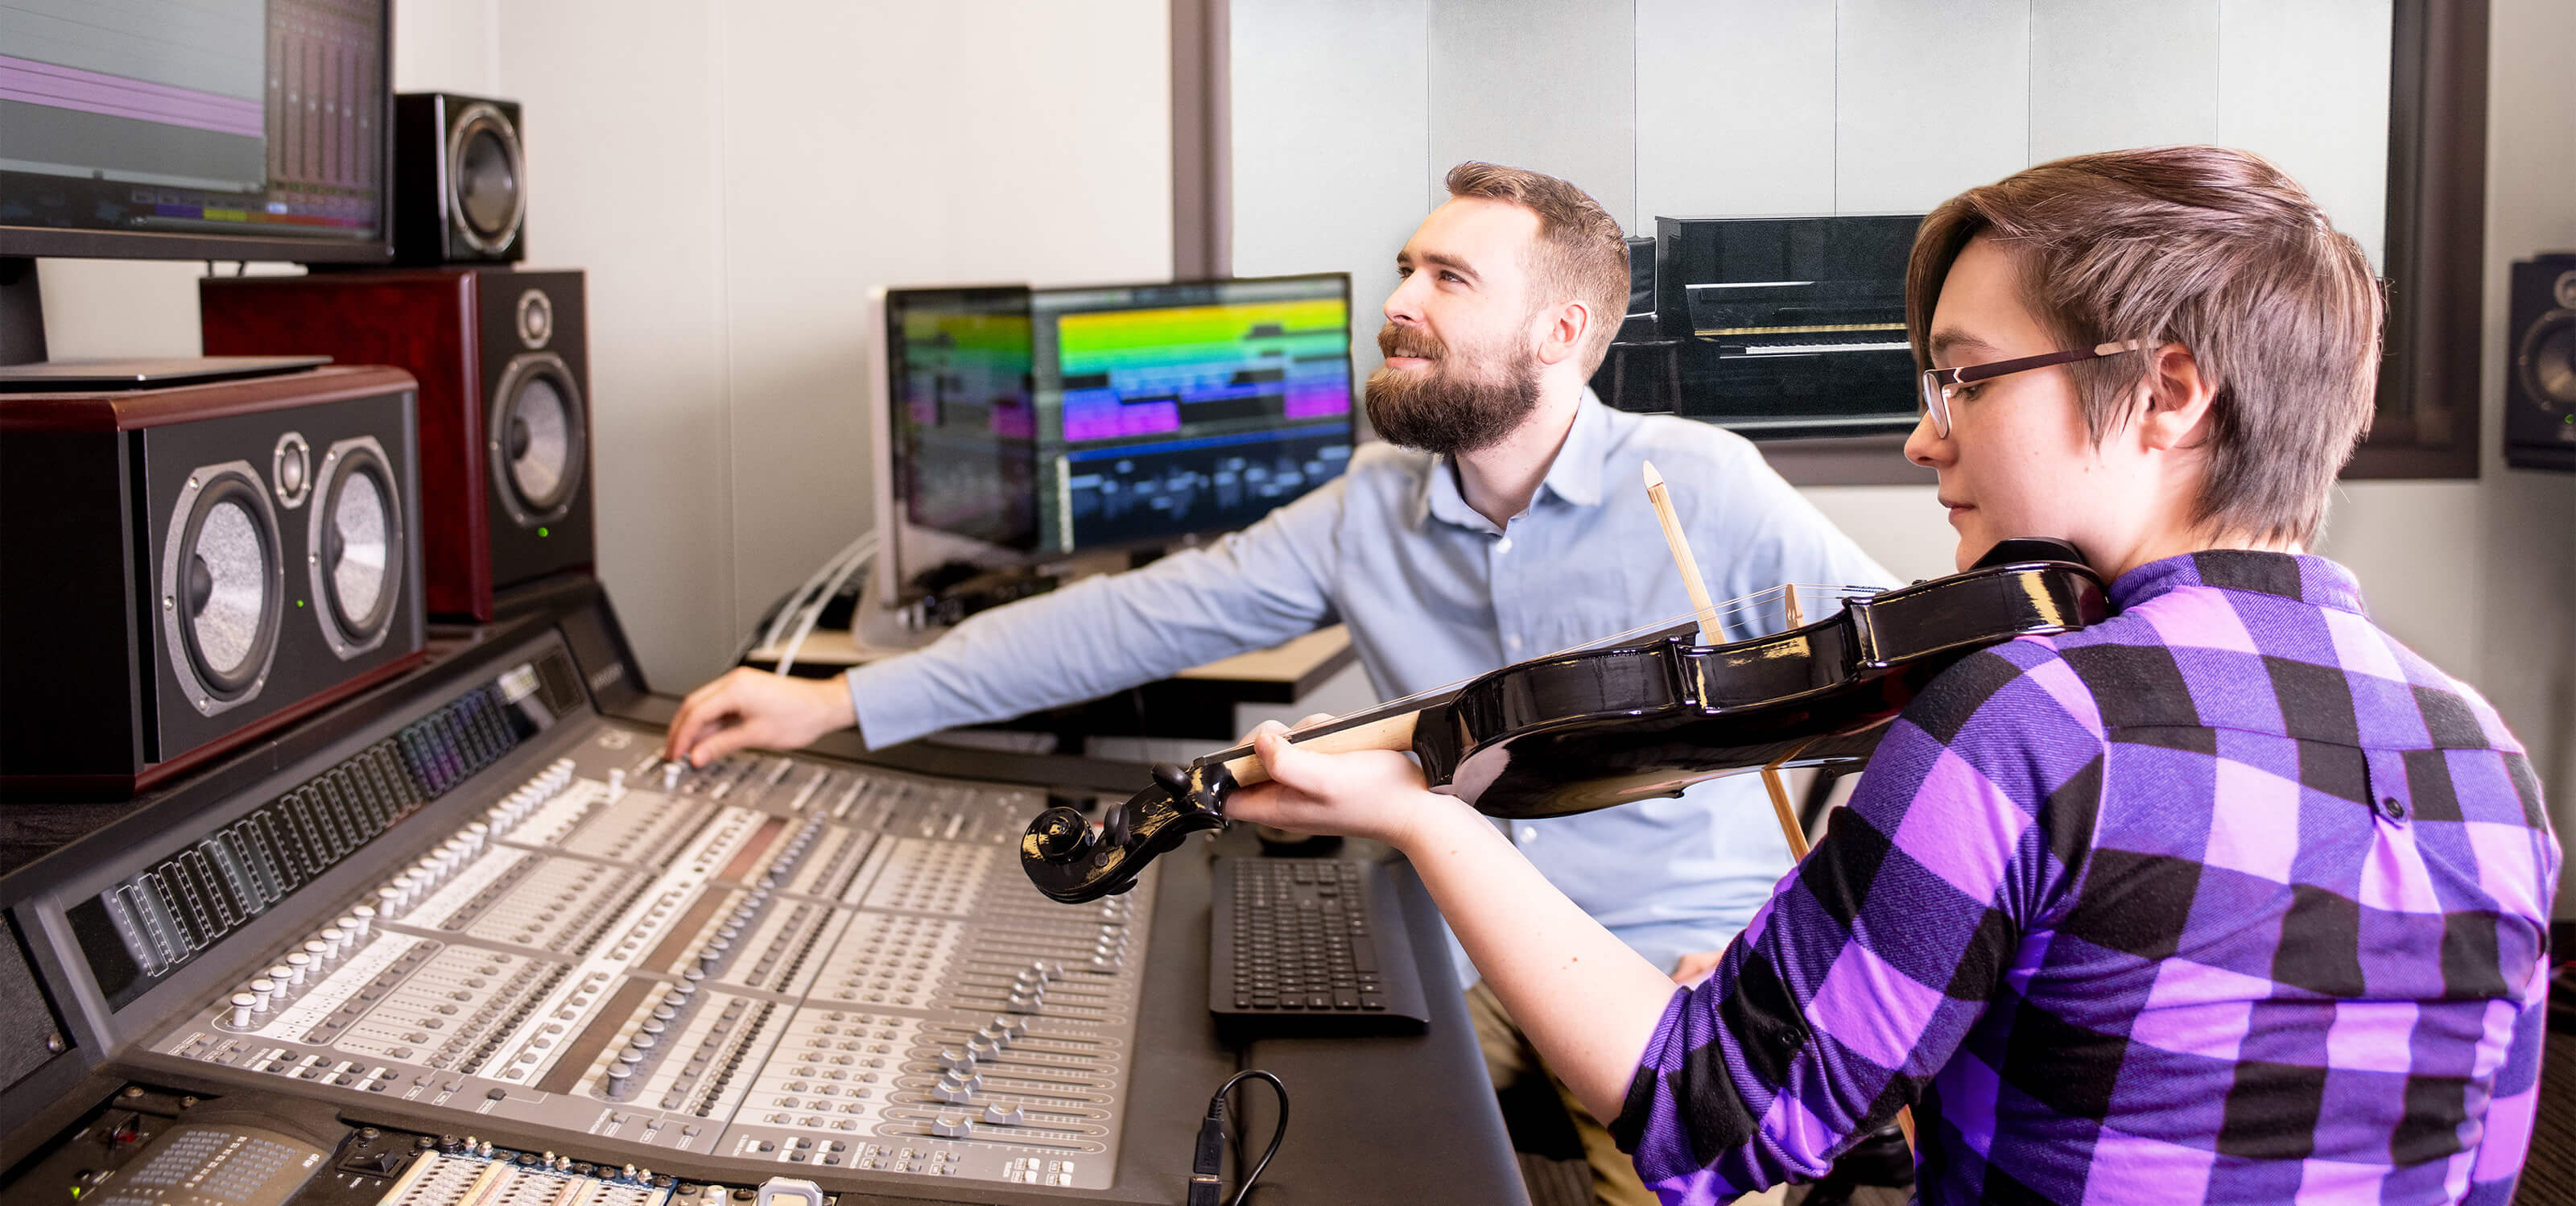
(1981, 372)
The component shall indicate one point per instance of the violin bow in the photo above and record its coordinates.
(1673, 535)
(1662, 497)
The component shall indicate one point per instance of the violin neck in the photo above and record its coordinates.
(1381, 729)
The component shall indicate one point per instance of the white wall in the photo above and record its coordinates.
(2524, 609)
(735, 175)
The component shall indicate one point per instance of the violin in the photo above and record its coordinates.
(1630, 720)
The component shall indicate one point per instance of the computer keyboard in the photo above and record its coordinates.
(1315, 946)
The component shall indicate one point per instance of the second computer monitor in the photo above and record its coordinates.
(1166, 411)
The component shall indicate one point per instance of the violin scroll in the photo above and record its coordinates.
(1072, 863)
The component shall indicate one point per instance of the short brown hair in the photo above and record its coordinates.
(1581, 252)
(2210, 248)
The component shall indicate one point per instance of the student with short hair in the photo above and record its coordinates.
(2227, 898)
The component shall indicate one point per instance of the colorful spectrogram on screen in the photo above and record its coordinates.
(1144, 372)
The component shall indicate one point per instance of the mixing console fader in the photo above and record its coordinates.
(772, 959)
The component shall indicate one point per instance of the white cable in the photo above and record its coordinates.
(805, 627)
(796, 602)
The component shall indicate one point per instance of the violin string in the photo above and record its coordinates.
(1739, 605)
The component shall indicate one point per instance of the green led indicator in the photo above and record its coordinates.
(543, 532)
(299, 602)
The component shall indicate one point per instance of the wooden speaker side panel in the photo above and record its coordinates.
(419, 321)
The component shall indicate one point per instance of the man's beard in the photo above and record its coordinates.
(1449, 407)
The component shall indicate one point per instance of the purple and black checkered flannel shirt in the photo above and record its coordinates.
(2229, 898)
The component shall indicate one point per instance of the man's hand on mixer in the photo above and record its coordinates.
(746, 707)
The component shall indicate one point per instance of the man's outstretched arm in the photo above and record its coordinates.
(1250, 590)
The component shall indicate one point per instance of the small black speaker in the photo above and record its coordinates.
(2540, 365)
(460, 180)
(184, 569)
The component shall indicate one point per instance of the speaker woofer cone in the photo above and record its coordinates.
(539, 436)
(221, 586)
(2547, 361)
(355, 545)
(485, 178)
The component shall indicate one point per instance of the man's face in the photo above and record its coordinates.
(1461, 333)
(2018, 460)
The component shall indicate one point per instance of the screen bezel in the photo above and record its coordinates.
(73, 243)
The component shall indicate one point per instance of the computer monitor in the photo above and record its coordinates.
(1167, 411)
(958, 426)
(1018, 426)
(195, 129)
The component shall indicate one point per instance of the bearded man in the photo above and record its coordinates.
(1504, 519)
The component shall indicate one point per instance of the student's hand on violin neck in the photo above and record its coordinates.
(1376, 794)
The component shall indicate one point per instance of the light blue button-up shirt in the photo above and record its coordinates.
(1434, 593)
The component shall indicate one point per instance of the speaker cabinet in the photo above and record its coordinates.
(504, 404)
(2540, 365)
(184, 569)
(460, 180)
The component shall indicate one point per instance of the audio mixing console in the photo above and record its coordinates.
(767, 963)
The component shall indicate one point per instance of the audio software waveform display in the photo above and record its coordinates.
(1172, 410)
(1146, 372)
(965, 427)
(230, 117)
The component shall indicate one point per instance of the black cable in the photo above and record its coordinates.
(1206, 1170)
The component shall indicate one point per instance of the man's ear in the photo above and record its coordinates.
(1567, 326)
(2179, 396)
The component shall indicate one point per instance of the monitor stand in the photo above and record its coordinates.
(24, 368)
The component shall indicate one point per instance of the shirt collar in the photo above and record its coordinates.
(1574, 476)
(2308, 579)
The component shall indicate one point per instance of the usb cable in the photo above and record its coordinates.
(1206, 1186)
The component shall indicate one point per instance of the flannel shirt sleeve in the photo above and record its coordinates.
(1872, 960)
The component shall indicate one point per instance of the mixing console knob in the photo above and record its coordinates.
(652, 1026)
(244, 1004)
(1025, 1002)
(1006, 1024)
(318, 953)
(389, 900)
(298, 966)
(261, 992)
(361, 919)
(951, 1126)
(621, 1080)
(1046, 969)
(1000, 1116)
(281, 975)
(665, 1013)
(960, 1062)
(952, 1092)
(616, 782)
(336, 940)
(983, 1048)
(670, 776)
(1105, 964)
(995, 1038)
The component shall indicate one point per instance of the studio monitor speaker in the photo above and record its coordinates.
(460, 180)
(504, 404)
(2540, 365)
(184, 569)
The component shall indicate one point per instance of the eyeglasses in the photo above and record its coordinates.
(1939, 384)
